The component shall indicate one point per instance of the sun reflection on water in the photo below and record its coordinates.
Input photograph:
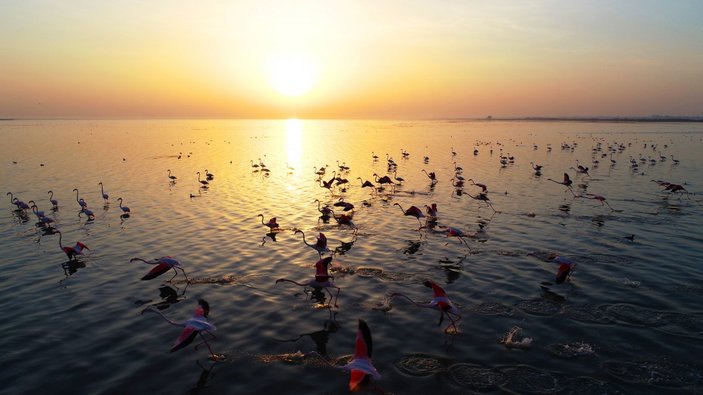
(294, 143)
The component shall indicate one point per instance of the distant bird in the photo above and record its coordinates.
(536, 168)
(346, 206)
(54, 202)
(272, 224)
(457, 184)
(320, 244)
(102, 192)
(630, 237)
(412, 211)
(344, 219)
(322, 279)
(72, 252)
(676, 161)
(484, 187)
(125, 209)
(163, 264)
(431, 210)
(439, 302)
(366, 184)
(325, 211)
(382, 180)
(459, 234)
(88, 213)
(209, 176)
(673, 188)
(400, 180)
(484, 198)
(171, 177)
(599, 198)
(203, 183)
(565, 269)
(581, 169)
(196, 325)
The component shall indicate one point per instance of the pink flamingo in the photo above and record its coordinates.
(344, 219)
(431, 210)
(458, 233)
(412, 212)
(322, 279)
(320, 245)
(102, 191)
(599, 198)
(54, 202)
(565, 269)
(360, 365)
(196, 325)
(439, 302)
(163, 264)
(567, 182)
(272, 224)
(72, 252)
(484, 198)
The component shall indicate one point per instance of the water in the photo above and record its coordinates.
(628, 322)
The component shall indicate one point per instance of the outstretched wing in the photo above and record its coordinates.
(158, 270)
(363, 347)
(187, 336)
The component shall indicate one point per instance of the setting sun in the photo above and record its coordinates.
(292, 75)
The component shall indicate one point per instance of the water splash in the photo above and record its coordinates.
(511, 339)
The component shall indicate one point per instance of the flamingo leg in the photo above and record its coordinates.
(174, 276)
(212, 354)
(186, 276)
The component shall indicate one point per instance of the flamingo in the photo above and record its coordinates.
(400, 180)
(33, 205)
(163, 264)
(676, 161)
(673, 188)
(366, 184)
(484, 187)
(346, 205)
(565, 269)
(203, 183)
(452, 150)
(209, 176)
(581, 169)
(329, 184)
(322, 279)
(567, 181)
(271, 223)
(125, 210)
(344, 219)
(196, 325)
(382, 180)
(360, 365)
(431, 210)
(374, 156)
(405, 153)
(320, 245)
(457, 169)
(325, 211)
(82, 203)
(484, 198)
(599, 198)
(72, 252)
(458, 233)
(457, 184)
(54, 202)
(102, 191)
(171, 177)
(439, 302)
(88, 213)
(432, 176)
(412, 211)
(536, 168)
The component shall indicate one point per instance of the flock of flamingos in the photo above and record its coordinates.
(360, 366)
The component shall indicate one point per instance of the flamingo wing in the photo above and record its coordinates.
(567, 180)
(187, 336)
(363, 346)
(158, 270)
(356, 379)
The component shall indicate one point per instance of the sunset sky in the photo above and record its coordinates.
(349, 59)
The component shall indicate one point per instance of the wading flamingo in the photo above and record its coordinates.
(163, 264)
(439, 302)
(72, 252)
(431, 210)
(484, 198)
(431, 175)
(366, 184)
(320, 245)
(196, 325)
(102, 192)
(344, 219)
(567, 182)
(54, 202)
(203, 183)
(125, 209)
(82, 203)
(484, 187)
(272, 224)
(325, 211)
(565, 269)
(412, 212)
(322, 279)
(458, 233)
(171, 177)
(599, 198)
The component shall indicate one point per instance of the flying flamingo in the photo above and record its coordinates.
(431, 175)
(125, 209)
(360, 366)
(171, 177)
(484, 198)
(81, 202)
(673, 188)
(272, 224)
(567, 182)
(458, 233)
(581, 169)
(163, 264)
(439, 302)
(197, 325)
(322, 279)
(320, 245)
(599, 198)
(413, 212)
(72, 252)
(346, 205)
(54, 202)
(203, 183)
(102, 191)
(484, 187)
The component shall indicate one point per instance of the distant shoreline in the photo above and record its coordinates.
(585, 119)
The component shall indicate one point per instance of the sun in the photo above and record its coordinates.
(292, 75)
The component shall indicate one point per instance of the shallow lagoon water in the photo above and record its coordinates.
(628, 322)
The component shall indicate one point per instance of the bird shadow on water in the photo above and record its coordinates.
(205, 375)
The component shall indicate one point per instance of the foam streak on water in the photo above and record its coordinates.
(632, 304)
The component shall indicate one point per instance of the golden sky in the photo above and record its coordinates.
(349, 59)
